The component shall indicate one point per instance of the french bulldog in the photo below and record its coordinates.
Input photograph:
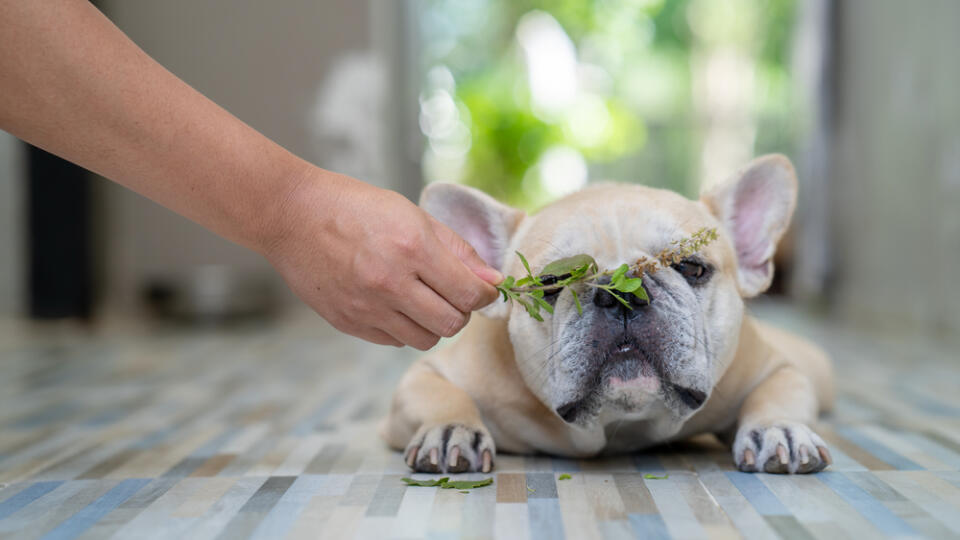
(688, 360)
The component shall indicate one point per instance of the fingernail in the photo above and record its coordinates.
(454, 457)
(434, 456)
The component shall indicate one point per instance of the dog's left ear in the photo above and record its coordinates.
(755, 207)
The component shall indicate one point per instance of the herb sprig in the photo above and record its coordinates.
(529, 290)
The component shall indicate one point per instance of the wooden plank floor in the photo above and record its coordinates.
(271, 432)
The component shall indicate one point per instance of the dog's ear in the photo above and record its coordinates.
(478, 218)
(755, 207)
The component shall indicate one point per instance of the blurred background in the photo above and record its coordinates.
(530, 100)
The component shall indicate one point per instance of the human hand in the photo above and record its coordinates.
(374, 265)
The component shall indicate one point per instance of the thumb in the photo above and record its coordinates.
(466, 253)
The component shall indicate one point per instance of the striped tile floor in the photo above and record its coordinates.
(271, 433)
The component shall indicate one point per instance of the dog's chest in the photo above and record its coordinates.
(616, 437)
(632, 435)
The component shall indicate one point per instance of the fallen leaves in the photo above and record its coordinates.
(446, 483)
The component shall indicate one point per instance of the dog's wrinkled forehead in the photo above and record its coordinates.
(613, 223)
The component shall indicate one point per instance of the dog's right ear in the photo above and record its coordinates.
(478, 218)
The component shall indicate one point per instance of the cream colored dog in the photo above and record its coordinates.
(613, 379)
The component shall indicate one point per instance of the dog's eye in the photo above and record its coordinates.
(691, 271)
(550, 280)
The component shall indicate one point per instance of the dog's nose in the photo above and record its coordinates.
(604, 299)
(636, 301)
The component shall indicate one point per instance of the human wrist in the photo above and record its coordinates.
(304, 187)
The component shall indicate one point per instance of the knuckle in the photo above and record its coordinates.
(464, 250)
(408, 244)
(473, 298)
(357, 307)
(375, 278)
(453, 324)
(426, 343)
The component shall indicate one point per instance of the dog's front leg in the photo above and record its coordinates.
(773, 432)
(438, 424)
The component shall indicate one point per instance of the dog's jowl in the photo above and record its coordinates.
(684, 361)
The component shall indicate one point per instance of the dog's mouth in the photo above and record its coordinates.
(625, 367)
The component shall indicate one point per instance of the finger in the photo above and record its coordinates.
(408, 332)
(428, 309)
(466, 253)
(450, 278)
(380, 338)
(370, 334)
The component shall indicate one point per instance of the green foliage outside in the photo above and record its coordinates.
(641, 60)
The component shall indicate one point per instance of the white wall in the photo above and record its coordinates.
(269, 63)
(12, 256)
(896, 181)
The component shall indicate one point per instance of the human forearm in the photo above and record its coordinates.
(76, 86)
(72, 83)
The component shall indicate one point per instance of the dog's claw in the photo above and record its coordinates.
(780, 447)
(825, 455)
(450, 448)
(782, 454)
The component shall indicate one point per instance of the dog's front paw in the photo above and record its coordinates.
(780, 447)
(451, 448)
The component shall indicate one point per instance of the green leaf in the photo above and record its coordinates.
(641, 293)
(505, 286)
(467, 484)
(582, 270)
(465, 492)
(619, 272)
(445, 483)
(649, 476)
(426, 483)
(576, 300)
(630, 285)
(568, 265)
(531, 490)
(523, 260)
(564, 476)
(574, 277)
(532, 309)
(543, 303)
